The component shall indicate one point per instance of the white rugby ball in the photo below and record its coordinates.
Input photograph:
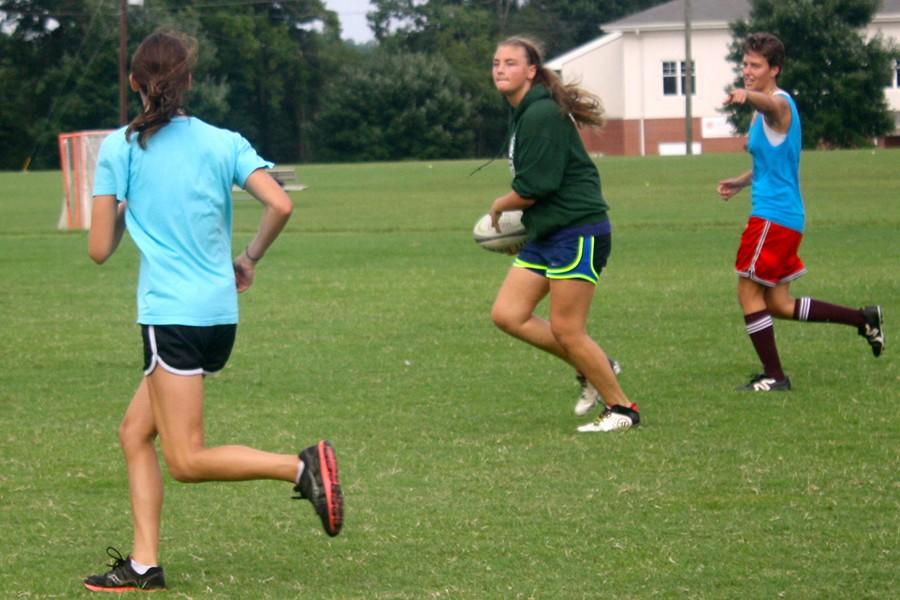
(511, 235)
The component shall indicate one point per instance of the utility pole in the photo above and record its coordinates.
(688, 84)
(123, 62)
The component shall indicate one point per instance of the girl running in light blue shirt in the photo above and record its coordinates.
(167, 178)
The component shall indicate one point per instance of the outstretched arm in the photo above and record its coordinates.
(774, 108)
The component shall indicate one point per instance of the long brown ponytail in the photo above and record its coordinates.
(584, 107)
(161, 67)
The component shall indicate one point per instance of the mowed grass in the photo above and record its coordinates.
(464, 476)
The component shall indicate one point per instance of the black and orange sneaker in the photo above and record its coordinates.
(122, 578)
(320, 484)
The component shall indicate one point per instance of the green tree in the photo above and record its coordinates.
(835, 75)
(395, 106)
(15, 136)
(465, 33)
(565, 24)
(268, 63)
(52, 55)
(261, 67)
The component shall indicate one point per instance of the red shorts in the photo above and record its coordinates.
(768, 253)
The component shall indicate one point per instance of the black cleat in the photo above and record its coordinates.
(873, 330)
(613, 418)
(764, 383)
(321, 485)
(122, 578)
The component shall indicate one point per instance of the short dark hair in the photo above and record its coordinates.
(767, 45)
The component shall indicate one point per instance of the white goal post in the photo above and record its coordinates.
(78, 160)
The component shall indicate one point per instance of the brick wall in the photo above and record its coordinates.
(621, 137)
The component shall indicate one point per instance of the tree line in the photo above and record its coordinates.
(278, 71)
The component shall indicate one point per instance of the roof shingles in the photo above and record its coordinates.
(705, 11)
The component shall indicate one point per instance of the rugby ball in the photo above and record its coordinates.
(511, 236)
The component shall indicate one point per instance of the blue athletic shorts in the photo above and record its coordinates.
(187, 350)
(577, 253)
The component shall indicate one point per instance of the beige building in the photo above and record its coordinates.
(636, 68)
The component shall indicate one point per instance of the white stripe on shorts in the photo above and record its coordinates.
(157, 359)
(759, 247)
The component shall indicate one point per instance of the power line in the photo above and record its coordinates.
(83, 71)
(221, 4)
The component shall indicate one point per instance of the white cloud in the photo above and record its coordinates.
(352, 14)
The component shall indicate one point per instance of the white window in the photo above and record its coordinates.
(670, 79)
(673, 78)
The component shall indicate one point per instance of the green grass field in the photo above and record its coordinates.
(464, 476)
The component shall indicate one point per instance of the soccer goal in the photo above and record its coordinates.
(78, 159)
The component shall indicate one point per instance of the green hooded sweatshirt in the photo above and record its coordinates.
(550, 166)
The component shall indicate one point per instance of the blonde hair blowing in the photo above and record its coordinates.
(584, 107)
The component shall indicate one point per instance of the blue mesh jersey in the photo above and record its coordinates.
(179, 215)
(775, 193)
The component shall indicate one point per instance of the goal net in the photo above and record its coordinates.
(78, 159)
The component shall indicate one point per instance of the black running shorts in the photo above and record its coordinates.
(187, 350)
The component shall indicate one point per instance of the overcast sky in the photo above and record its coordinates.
(352, 14)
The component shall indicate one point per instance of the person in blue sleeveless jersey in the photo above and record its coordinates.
(767, 260)
(167, 179)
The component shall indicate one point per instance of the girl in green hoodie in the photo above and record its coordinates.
(557, 186)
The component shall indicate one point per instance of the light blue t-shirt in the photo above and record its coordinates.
(179, 215)
(775, 195)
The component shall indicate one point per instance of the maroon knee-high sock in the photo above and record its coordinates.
(807, 309)
(761, 330)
